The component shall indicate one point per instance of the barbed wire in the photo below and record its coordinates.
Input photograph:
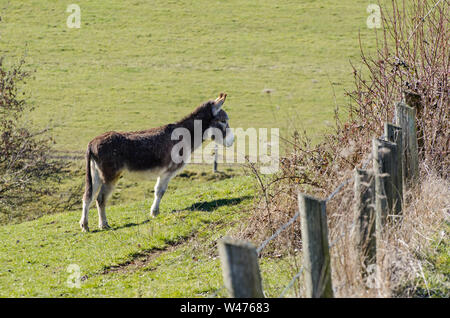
(422, 20)
(296, 215)
(338, 189)
(345, 182)
(351, 227)
(280, 229)
(291, 283)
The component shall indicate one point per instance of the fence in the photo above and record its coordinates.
(378, 196)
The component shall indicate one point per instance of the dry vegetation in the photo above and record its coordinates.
(29, 175)
(411, 64)
(405, 250)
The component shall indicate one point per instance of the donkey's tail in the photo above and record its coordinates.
(88, 189)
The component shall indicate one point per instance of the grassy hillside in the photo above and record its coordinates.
(35, 255)
(173, 255)
(138, 64)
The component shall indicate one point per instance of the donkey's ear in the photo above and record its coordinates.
(218, 103)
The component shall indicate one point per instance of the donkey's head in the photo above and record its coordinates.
(220, 131)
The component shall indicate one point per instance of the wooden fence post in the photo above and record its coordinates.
(405, 117)
(240, 268)
(385, 166)
(414, 100)
(394, 134)
(216, 155)
(316, 254)
(365, 215)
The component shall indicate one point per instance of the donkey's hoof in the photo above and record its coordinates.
(104, 226)
(154, 214)
(84, 227)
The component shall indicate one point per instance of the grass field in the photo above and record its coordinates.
(173, 255)
(138, 64)
(35, 255)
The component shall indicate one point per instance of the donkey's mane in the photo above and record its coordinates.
(201, 112)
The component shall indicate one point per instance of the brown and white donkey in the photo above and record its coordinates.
(149, 152)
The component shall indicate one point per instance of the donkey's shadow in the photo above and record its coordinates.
(115, 228)
(209, 206)
(204, 206)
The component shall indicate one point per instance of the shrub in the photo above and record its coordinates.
(25, 162)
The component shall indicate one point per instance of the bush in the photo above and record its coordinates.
(25, 161)
(412, 63)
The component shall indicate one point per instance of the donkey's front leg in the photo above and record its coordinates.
(160, 189)
(103, 195)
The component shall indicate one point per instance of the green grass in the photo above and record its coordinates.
(173, 255)
(35, 255)
(138, 64)
(435, 279)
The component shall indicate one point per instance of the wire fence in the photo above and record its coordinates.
(291, 221)
(388, 158)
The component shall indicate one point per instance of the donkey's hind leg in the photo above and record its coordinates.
(103, 195)
(96, 183)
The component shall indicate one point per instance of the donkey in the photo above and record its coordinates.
(149, 152)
